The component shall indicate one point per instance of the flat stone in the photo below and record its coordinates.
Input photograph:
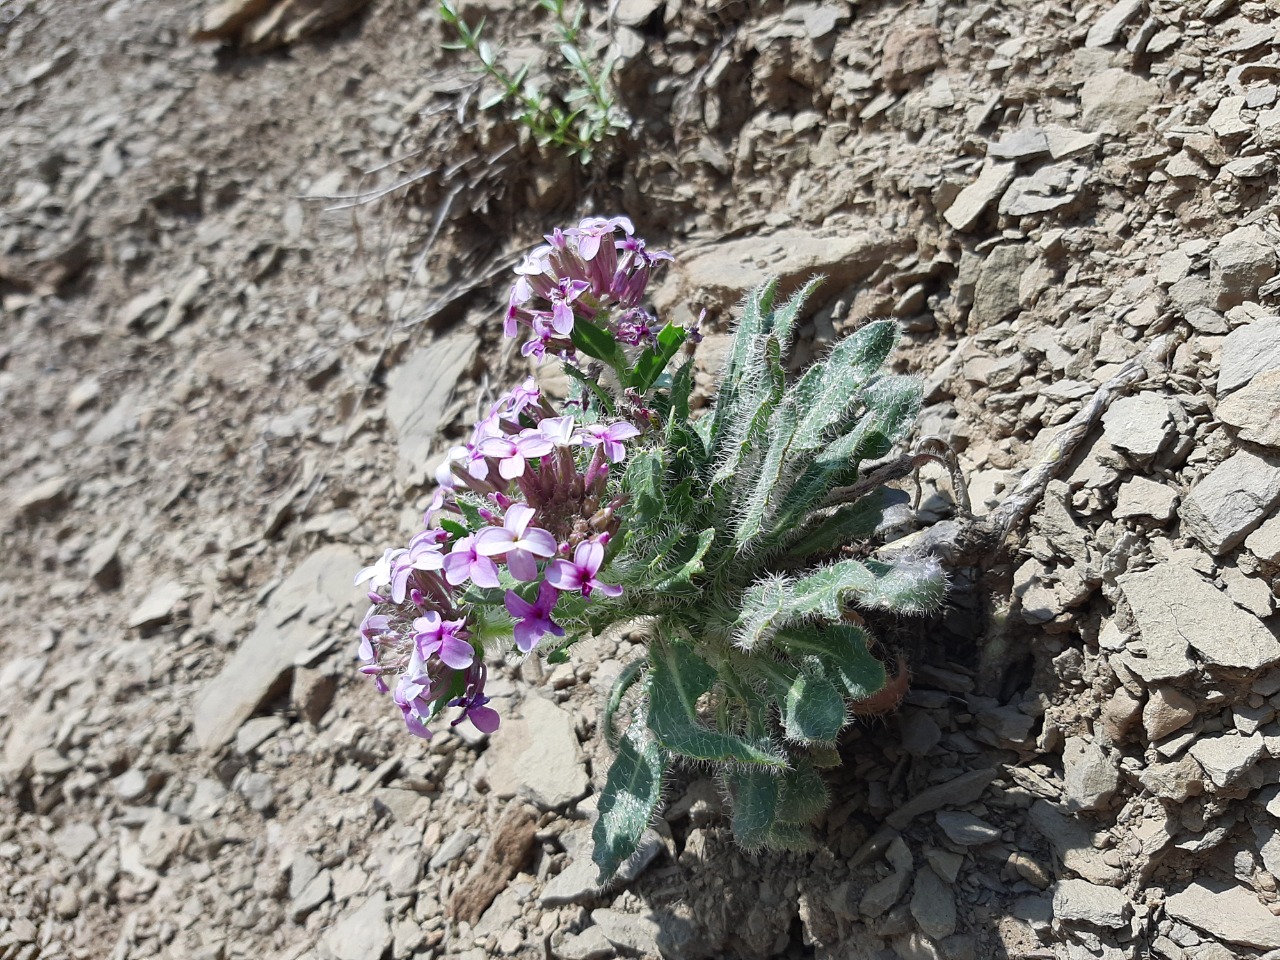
(966, 788)
(1264, 543)
(158, 606)
(1227, 911)
(590, 944)
(261, 666)
(1226, 758)
(973, 200)
(635, 13)
(1175, 607)
(1167, 709)
(46, 497)
(1241, 262)
(997, 293)
(508, 851)
(883, 894)
(1073, 843)
(362, 932)
(933, 905)
(966, 829)
(1254, 410)
(1247, 351)
(1079, 901)
(576, 883)
(1049, 188)
(1140, 424)
(1090, 779)
(538, 757)
(1106, 29)
(419, 391)
(1140, 497)
(630, 931)
(1116, 97)
(1176, 781)
(1025, 144)
(1237, 495)
(1065, 142)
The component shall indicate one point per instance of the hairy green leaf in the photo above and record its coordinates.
(842, 651)
(679, 678)
(625, 681)
(802, 794)
(629, 800)
(814, 710)
(755, 803)
(847, 524)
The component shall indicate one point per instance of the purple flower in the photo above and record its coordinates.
(436, 637)
(610, 438)
(558, 431)
(423, 554)
(373, 625)
(512, 454)
(409, 697)
(483, 718)
(463, 563)
(533, 619)
(580, 573)
(521, 543)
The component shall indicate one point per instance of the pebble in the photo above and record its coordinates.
(973, 200)
(1237, 495)
(1175, 608)
(418, 393)
(538, 757)
(1090, 778)
(285, 629)
(361, 931)
(933, 905)
(628, 931)
(1246, 352)
(1254, 410)
(1228, 759)
(1227, 911)
(1079, 901)
(1167, 709)
(1117, 98)
(966, 829)
(1240, 263)
(46, 497)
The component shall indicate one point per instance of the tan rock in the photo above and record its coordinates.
(1255, 410)
(1167, 710)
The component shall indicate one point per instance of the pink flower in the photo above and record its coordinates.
(439, 638)
(512, 454)
(409, 697)
(463, 563)
(519, 542)
(423, 554)
(533, 619)
(580, 573)
(379, 573)
(610, 437)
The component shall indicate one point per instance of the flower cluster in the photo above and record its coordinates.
(596, 272)
(517, 538)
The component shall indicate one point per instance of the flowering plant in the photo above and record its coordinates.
(726, 535)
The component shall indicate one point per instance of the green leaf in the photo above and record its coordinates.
(590, 339)
(643, 479)
(761, 607)
(847, 524)
(626, 679)
(767, 481)
(814, 710)
(453, 527)
(842, 650)
(683, 563)
(677, 681)
(629, 800)
(803, 795)
(758, 302)
(755, 805)
(782, 322)
(653, 361)
(835, 390)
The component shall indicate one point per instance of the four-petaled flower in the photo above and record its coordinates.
(580, 573)
(463, 563)
(533, 619)
(610, 438)
(521, 543)
(440, 638)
